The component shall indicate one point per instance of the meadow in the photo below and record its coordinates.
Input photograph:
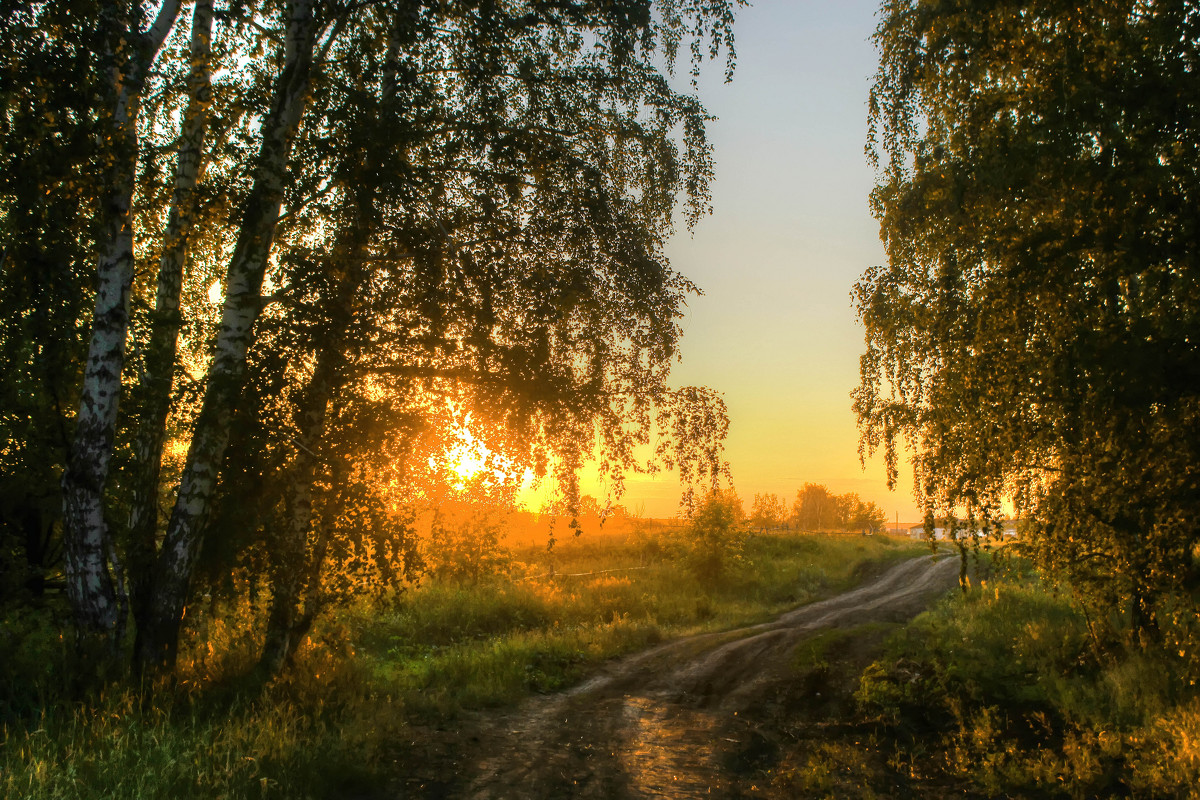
(530, 619)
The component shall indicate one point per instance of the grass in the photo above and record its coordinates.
(448, 647)
(1007, 691)
(372, 670)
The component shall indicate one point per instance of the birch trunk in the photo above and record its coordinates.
(86, 545)
(293, 571)
(159, 633)
(155, 389)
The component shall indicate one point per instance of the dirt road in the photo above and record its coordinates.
(683, 719)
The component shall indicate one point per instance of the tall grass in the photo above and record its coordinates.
(1009, 689)
(374, 668)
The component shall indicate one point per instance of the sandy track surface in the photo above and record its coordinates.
(668, 722)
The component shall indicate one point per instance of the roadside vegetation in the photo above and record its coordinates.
(1031, 342)
(1015, 689)
(533, 620)
(1012, 688)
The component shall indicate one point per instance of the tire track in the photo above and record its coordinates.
(656, 723)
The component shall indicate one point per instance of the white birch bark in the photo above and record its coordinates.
(153, 399)
(90, 587)
(158, 637)
(292, 569)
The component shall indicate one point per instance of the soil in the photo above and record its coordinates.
(761, 711)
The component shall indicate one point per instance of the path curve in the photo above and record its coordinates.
(652, 724)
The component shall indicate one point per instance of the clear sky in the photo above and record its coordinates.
(790, 233)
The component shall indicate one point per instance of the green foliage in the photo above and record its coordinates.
(714, 538)
(1008, 688)
(1032, 337)
(48, 77)
(386, 211)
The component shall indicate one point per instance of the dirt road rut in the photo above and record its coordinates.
(668, 721)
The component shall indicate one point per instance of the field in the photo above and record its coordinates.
(1009, 688)
(534, 620)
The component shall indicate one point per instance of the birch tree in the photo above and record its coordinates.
(1032, 336)
(158, 634)
(528, 248)
(496, 237)
(152, 397)
(130, 46)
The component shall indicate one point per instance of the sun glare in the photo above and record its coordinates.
(466, 459)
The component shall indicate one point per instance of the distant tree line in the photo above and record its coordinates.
(815, 508)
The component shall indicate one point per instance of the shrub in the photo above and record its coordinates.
(466, 543)
(715, 539)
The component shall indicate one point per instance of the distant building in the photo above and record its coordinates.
(918, 532)
(1008, 530)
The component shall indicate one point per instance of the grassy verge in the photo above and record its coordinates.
(1006, 692)
(375, 669)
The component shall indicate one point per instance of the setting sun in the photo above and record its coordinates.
(466, 459)
(467, 456)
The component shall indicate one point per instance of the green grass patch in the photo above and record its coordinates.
(373, 669)
(1006, 689)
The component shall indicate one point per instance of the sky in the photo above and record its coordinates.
(790, 233)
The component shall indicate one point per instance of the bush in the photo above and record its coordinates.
(466, 543)
(714, 538)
